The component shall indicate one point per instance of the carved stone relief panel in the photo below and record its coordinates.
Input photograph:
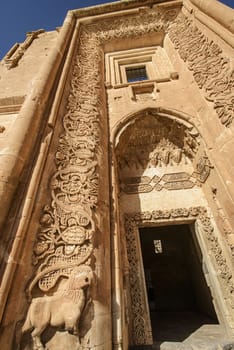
(140, 318)
(64, 248)
(211, 70)
(203, 168)
(152, 141)
(64, 245)
(145, 184)
(168, 181)
(155, 153)
(63, 251)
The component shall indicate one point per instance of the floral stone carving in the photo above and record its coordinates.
(67, 226)
(64, 245)
(211, 70)
(140, 321)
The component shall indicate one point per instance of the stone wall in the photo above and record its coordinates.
(85, 149)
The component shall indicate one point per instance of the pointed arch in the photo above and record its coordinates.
(172, 114)
(156, 151)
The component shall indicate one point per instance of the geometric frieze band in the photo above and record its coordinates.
(145, 184)
(168, 181)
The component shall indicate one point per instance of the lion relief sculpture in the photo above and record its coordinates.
(62, 309)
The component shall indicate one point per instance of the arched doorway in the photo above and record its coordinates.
(161, 167)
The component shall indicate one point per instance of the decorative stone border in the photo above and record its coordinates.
(140, 321)
(211, 70)
(168, 181)
(67, 225)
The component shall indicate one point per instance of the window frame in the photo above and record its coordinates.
(138, 77)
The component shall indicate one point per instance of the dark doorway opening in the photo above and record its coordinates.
(179, 299)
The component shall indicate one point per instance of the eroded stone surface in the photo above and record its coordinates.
(78, 179)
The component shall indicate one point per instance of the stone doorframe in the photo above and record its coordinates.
(218, 274)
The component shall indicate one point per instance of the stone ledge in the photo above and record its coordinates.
(9, 105)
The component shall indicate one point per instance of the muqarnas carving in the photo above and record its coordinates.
(165, 146)
(153, 141)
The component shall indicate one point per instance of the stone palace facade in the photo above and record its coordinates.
(117, 180)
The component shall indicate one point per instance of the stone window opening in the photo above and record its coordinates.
(139, 65)
(134, 74)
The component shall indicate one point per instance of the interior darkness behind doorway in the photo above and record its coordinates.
(178, 296)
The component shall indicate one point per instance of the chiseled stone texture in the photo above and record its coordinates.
(87, 157)
(27, 68)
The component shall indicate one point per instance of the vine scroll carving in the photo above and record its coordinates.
(65, 239)
(64, 244)
(211, 70)
(67, 226)
(141, 331)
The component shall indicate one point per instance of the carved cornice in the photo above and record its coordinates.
(11, 105)
(217, 10)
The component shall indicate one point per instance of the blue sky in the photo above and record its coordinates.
(20, 16)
